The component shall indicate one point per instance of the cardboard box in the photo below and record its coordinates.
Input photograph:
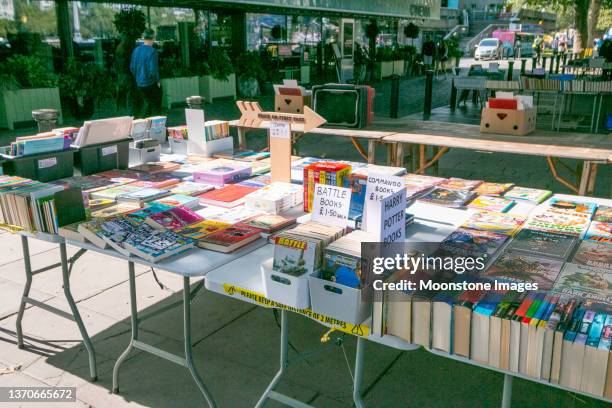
(291, 103)
(508, 121)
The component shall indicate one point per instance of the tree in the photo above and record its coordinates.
(586, 16)
(411, 31)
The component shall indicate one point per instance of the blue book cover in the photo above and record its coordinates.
(36, 146)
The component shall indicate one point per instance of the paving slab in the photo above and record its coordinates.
(115, 302)
(11, 297)
(151, 381)
(254, 340)
(12, 251)
(209, 313)
(91, 274)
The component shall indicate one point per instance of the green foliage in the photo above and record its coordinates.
(85, 79)
(98, 21)
(130, 22)
(411, 31)
(406, 52)
(391, 53)
(249, 65)
(452, 46)
(22, 71)
(218, 64)
(29, 17)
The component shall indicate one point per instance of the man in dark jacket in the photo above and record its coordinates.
(144, 67)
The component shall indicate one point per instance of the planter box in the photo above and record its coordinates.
(398, 67)
(17, 106)
(211, 88)
(383, 69)
(305, 74)
(175, 90)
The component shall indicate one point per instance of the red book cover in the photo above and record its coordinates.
(173, 218)
(228, 194)
(327, 166)
(522, 310)
(497, 103)
(233, 235)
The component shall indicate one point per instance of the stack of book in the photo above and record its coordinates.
(329, 173)
(537, 84)
(342, 259)
(299, 250)
(275, 198)
(222, 174)
(190, 188)
(216, 129)
(232, 195)
(178, 132)
(156, 127)
(40, 143)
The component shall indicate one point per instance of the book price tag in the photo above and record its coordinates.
(108, 150)
(46, 163)
(331, 205)
(378, 187)
(280, 130)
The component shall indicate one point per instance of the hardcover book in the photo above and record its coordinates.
(230, 239)
(447, 197)
(199, 230)
(470, 242)
(493, 189)
(173, 218)
(223, 174)
(501, 223)
(516, 266)
(543, 243)
(595, 254)
(585, 282)
(176, 200)
(528, 194)
(489, 203)
(603, 214)
(455, 183)
(229, 196)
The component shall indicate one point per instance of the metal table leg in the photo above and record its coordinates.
(186, 361)
(66, 265)
(507, 393)
(359, 373)
(76, 314)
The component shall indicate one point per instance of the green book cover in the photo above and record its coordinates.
(69, 206)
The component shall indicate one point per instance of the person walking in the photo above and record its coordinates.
(144, 66)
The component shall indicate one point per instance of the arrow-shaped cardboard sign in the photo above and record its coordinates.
(253, 115)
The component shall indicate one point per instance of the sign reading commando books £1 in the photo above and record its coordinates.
(355, 329)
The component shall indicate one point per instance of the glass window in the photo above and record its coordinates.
(260, 29)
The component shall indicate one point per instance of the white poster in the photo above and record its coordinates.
(378, 187)
(331, 205)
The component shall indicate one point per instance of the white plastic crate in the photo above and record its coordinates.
(283, 288)
(338, 301)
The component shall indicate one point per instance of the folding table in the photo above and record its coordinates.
(192, 263)
(66, 265)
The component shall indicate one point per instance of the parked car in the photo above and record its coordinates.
(490, 48)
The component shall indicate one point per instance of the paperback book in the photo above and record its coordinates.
(230, 239)
(114, 192)
(528, 194)
(155, 245)
(176, 200)
(519, 267)
(595, 254)
(470, 242)
(490, 203)
(571, 206)
(565, 223)
(174, 218)
(190, 188)
(222, 174)
(455, 183)
(201, 229)
(151, 208)
(229, 196)
(601, 230)
(501, 223)
(603, 214)
(270, 222)
(543, 243)
(585, 282)
(493, 189)
(447, 197)
(142, 196)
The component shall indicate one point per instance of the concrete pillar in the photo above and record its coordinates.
(63, 28)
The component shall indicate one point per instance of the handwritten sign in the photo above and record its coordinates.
(378, 187)
(331, 205)
(393, 218)
(280, 130)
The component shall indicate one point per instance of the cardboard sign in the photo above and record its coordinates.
(393, 218)
(378, 187)
(331, 205)
(280, 151)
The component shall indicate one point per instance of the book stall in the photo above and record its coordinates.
(306, 234)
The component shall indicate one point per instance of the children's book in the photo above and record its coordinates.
(455, 183)
(528, 194)
(501, 223)
(174, 218)
(491, 203)
(493, 189)
(201, 229)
